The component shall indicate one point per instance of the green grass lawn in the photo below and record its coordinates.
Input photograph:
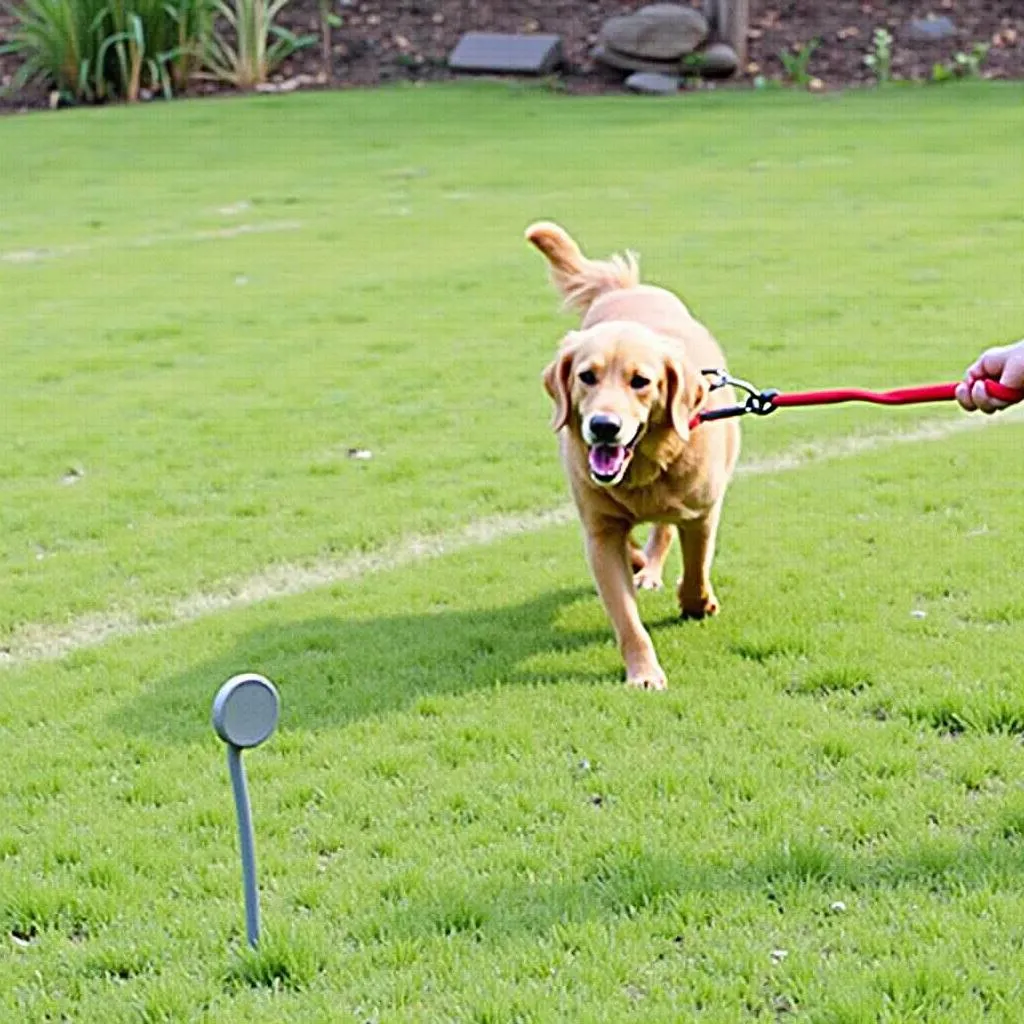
(465, 815)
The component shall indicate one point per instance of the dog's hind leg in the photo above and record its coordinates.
(648, 575)
(637, 558)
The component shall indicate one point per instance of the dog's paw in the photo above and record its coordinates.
(650, 677)
(647, 579)
(698, 606)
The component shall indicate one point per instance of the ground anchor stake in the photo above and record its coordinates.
(245, 714)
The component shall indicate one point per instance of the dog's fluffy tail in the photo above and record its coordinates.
(580, 280)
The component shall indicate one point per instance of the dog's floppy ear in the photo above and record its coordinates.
(686, 391)
(556, 381)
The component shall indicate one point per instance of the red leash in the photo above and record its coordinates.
(898, 396)
(762, 402)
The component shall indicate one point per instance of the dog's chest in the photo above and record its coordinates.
(660, 502)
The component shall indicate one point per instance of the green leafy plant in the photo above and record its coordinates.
(134, 44)
(968, 65)
(797, 62)
(193, 21)
(256, 45)
(58, 42)
(95, 50)
(879, 60)
(963, 65)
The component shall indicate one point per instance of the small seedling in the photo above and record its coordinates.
(797, 62)
(879, 60)
(963, 65)
(968, 65)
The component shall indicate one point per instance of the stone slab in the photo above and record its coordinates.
(506, 53)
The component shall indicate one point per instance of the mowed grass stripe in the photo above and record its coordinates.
(42, 642)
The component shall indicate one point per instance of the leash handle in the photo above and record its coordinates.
(898, 396)
(1001, 391)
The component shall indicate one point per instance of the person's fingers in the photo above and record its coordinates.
(992, 363)
(963, 396)
(983, 400)
(974, 371)
(1013, 372)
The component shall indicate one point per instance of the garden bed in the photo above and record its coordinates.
(380, 41)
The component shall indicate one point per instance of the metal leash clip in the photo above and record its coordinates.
(759, 402)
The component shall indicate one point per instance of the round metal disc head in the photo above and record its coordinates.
(245, 710)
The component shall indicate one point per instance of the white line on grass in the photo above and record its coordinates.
(46, 642)
(148, 241)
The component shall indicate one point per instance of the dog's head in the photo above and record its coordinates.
(613, 384)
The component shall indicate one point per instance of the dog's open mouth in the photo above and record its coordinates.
(609, 462)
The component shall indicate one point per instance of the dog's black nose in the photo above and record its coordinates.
(604, 427)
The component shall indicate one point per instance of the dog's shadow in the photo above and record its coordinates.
(335, 670)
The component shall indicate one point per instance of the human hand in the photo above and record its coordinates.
(1004, 364)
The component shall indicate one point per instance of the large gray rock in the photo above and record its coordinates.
(501, 53)
(656, 32)
(653, 83)
(718, 60)
(623, 62)
(932, 29)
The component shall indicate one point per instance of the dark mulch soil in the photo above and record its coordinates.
(401, 40)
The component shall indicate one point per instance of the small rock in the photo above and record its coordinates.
(719, 60)
(653, 83)
(932, 29)
(656, 32)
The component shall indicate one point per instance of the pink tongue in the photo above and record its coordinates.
(607, 459)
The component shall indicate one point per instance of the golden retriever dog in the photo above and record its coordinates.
(626, 386)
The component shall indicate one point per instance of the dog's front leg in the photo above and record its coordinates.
(608, 553)
(696, 596)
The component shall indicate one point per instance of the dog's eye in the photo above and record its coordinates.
(588, 377)
(638, 383)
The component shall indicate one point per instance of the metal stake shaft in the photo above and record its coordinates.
(252, 897)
